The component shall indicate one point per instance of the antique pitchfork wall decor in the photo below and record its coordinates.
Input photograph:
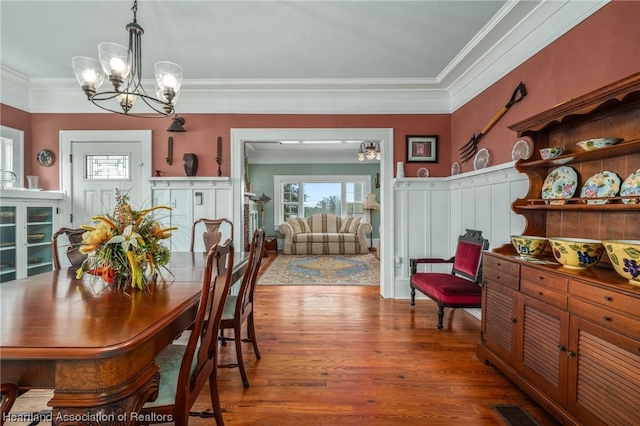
(470, 148)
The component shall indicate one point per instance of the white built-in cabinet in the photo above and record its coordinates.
(190, 199)
(27, 222)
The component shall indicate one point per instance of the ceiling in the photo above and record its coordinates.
(286, 56)
(311, 57)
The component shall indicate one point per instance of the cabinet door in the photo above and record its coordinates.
(39, 233)
(499, 319)
(542, 346)
(8, 254)
(604, 375)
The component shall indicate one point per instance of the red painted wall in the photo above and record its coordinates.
(203, 131)
(601, 50)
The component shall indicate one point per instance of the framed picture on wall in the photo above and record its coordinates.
(422, 149)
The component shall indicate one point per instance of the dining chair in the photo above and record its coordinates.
(239, 309)
(184, 370)
(458, 289)
(74, 236)
(9, 393)
(212, 234)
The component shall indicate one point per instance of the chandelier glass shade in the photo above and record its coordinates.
(370, 151)
(122, 66)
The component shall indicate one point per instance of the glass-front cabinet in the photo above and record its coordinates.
(7, 243)
(26, 227)
(39, 233)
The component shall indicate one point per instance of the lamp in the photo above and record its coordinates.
(262, 200)
(176, 124)
(370, 151)
(371, 204)
(123, 67)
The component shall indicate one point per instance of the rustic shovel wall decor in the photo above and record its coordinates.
(470, 148)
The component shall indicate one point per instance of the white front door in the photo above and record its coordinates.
(96, 163)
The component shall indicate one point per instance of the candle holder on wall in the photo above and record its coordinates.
(219, 157)
(170, 151)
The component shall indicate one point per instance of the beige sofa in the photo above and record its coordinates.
(325, 234)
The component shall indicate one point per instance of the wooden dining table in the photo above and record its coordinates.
(95, 344)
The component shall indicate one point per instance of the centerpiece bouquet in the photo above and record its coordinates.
(126, 247)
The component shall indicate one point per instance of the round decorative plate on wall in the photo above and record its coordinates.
(46, 157)
(423, 173)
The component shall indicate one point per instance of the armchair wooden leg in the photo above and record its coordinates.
(440, 316)
(413, 298)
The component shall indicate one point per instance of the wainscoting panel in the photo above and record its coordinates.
(430, 214)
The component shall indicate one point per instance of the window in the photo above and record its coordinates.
(304, 196)
(107, 167)
(11, 157)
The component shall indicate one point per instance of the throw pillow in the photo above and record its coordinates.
(299, 225)
(350, 225)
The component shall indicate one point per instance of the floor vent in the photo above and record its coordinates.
(514, 415)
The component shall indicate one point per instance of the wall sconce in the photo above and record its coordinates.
(170, 151)
(176, 124)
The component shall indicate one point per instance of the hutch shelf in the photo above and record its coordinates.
(571, 338)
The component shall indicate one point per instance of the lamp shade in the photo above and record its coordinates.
(176, 124)
(371, 203)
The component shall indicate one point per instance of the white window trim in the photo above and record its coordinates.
(278, 180)
(17, 136)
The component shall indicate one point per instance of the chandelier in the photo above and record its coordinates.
(370, 151)
(123, 67)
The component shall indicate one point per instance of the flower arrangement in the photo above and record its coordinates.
(123, 247)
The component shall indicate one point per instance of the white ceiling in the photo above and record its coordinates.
(285, 56)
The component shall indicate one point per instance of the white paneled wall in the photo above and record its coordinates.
(190, 200)
(430, 214)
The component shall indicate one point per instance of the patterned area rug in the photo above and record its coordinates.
(322, 270)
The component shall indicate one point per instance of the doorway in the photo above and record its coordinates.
(95, 163)
(384, 136)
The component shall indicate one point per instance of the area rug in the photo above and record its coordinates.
(322, 270)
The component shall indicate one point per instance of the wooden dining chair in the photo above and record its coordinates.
(239, 309)
(184, 370)
(74, 236)
(9, 393)
(212, 234)
(458, 289)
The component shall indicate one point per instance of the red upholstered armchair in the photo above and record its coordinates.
(458, 289)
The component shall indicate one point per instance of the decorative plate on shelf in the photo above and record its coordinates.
(481, 160)
(455, 168)
(521, 150)
(631, 186)
(603, 184)
(423, 173)
(592, 144)
(46, 157)
(560, 183)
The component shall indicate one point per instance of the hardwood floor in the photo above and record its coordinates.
(345, 356)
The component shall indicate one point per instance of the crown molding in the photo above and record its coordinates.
(520, 30)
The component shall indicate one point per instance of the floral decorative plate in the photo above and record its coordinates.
(603, 184)
(481, 160)
(521, 150)
(631, 186)
(560, 183)
(422, 172)
(455, 168)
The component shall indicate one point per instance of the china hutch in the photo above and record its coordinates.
(571, 338)
(28, 220)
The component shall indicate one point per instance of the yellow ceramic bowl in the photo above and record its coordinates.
(625, 258)
(527, 245)
(576, 253)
